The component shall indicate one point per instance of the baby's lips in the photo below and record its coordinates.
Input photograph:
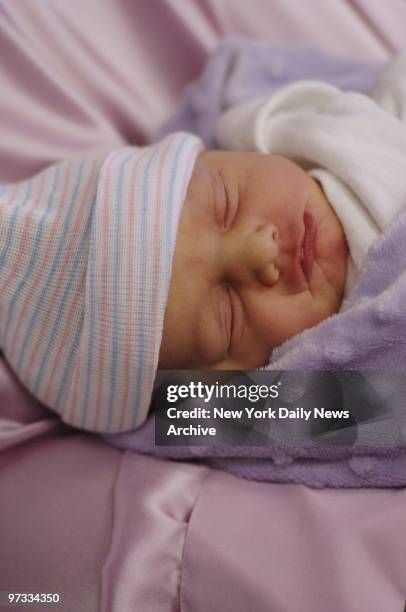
(268, 274)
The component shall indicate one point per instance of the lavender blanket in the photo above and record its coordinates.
(370, 330)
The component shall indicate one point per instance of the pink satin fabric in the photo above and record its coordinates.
(153, 501)
(115, 532)
(118, 531)
(78, 76)
(253, 546)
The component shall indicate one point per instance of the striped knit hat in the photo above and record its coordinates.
(86, 249)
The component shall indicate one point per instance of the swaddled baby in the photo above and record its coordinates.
(94, 294)
(262, 245)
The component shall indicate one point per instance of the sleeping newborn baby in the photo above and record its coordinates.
(260, 256)
(170, 256)
(262, 245)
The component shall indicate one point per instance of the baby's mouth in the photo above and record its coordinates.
(307, 248)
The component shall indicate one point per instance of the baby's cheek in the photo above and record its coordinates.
(283, 317)
(327, 294)
(209, 344)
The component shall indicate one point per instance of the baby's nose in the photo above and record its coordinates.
(265, 249)
(252, 254)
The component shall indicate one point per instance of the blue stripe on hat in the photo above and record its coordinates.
(51, 273)
(31, 264)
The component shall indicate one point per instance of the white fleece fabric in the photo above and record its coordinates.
(353, 144)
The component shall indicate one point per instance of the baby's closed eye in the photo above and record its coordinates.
(225, 202)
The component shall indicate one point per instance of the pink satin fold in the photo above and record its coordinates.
(116, 531)
(153, 501)
(255, 546)
(56, 517)
(12, 433)
(79, 76)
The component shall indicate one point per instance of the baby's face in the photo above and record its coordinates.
(260, 256)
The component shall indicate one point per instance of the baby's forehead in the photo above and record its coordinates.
(249, 161)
